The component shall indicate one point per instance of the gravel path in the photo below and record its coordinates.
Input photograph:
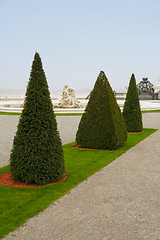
(67, 126)
(121, 202)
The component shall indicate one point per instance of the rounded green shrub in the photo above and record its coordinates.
(102, 125)
(37, 154)
(131, 111)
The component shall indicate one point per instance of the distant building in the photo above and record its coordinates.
(120, 95)
(146, 90)
(157, 88)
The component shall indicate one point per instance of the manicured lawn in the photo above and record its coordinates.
(150, 111)
(71, 114)
(57, 114)
(19, 204)
(9, 113)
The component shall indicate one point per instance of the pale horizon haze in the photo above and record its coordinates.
(78, 39)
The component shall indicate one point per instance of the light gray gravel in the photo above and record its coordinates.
(67, 126)
(121, 202)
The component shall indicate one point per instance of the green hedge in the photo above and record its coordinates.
(102, 125)
(131, 111)
(37, 154)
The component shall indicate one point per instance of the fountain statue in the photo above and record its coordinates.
(68, 99)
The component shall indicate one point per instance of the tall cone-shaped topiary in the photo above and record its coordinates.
(131, 111)
(102, 125)
(37, 154)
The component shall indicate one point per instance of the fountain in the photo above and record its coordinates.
(68, 99)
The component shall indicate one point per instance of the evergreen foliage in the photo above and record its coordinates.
(131, 111)
(37, 154)
(102, 125)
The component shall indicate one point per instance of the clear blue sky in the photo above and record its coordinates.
(77, 39)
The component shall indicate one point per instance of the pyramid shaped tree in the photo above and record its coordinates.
(37, 155)
(131, 111)
(102, 125)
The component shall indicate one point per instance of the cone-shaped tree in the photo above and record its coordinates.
(37, 155)
(102, 125)
(131, 111)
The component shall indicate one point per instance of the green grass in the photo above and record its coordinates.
(19, 204)
(9, 113)
(71, 114)
(150, 111)
(57, 114)
(68, 114)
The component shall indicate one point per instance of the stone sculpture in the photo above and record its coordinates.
(68, 99)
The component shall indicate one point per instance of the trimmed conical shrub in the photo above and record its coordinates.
(37, 155)
(131, 111)
(102, 125)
